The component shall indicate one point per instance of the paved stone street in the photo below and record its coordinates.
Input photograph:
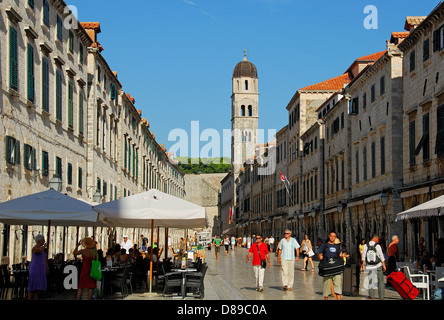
(231, 278)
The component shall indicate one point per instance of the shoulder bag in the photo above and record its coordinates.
(263, 261)
(96, 268)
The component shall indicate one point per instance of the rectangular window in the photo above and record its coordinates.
(382, 144)
(372, 93)
(364, 100)
(382, 85)
(412, 60)
(81, 113)
(45, 85)
(70, 105)
(13, 59)
(81, 53)
(80, 178)
(59, 28)
(354, 106)
(426, 137)
(59, 95)
(373, 151)
(364, 160)
(69, 174)
(46, 12)
(342, 174)
(45, 164)
(412, 161)
(439, 146)
(31, 4)
(71, 41)
(30, 73)
(12, 151)
(29, 157)
(59, 167)
(426, 50)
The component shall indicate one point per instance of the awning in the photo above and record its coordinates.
(434, 207)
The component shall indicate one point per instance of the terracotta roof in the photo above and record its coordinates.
(400, 34)
(372, 57)
(334, 84)
(91, 25)
(412, 21)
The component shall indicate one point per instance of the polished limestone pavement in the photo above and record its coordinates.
(231, 278)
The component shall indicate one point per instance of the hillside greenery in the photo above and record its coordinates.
(204, 165)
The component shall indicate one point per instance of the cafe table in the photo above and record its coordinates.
(107, 273)
(184, 272)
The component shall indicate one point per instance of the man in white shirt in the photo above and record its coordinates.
(373, 260)
(271, 244)
(287, 258)
(126, 244)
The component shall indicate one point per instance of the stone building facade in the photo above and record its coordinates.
(423, 125)
(65, 114)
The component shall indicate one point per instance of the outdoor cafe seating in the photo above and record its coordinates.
(179, 280)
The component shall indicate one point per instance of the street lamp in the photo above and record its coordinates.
(383, 197)
(97, 196)
(55, 183)
(340, 207)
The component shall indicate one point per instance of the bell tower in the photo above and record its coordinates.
(244, 113)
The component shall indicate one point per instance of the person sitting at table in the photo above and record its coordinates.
(102, 259)
(426, 262)
(88, 254)
(124, 257)
(117, 254)
(38, 269)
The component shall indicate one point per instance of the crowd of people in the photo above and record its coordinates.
(373, 257)
(120, 254)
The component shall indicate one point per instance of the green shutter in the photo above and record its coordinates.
(126, 154)
(13, 59)
(45, 85)
(8, 149)
(81, 113)
(59, 95)
(30, 73)
(70, 105)
(17, 152)
(45, 164)
(80, 178)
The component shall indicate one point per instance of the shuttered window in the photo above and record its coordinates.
(29, 157)
(81, 112)
(45, 85)
(80, 178)
(69, 173)
(59, 95)
(30, 77)
(12, 152)
(46, 12)
(70, 105)
(13, 59)
(59, 167)
(382, 145)
(412, 161)
(45, 164)
(439, 145)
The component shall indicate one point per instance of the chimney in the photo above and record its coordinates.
(92, 29)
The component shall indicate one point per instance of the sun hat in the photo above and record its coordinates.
(88, 243)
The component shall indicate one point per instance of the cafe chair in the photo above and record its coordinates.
(172, 280)
(120, 281)
(195, 281)
(420, 281)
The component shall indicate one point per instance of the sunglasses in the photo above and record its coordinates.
(287, 233)
(258, 238)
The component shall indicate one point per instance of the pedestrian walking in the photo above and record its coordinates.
(226, 244)
(244, 241)
(217, 243)
(38, 269)
(373, 260)
(248, 242)
(307, 251)
(393, 255)
(286, 258)
(259, 250)
(233, 242)
(272, 240)
(331, 251)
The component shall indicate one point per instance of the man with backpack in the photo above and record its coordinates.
(373, 260)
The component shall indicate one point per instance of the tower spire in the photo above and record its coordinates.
(245, 55)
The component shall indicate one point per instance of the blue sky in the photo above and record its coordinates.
(176, 57)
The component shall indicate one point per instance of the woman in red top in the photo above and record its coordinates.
(86, 282)
(260, 252)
